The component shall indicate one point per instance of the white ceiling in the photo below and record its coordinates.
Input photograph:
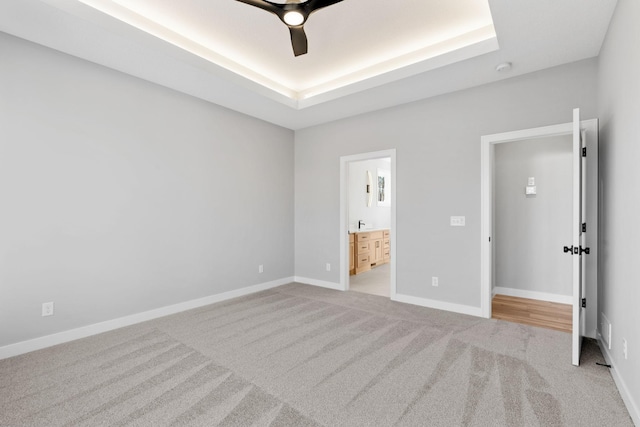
(362, 55)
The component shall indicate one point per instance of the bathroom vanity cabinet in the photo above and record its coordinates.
(370, 248)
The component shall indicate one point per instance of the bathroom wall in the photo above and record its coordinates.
(374, 216)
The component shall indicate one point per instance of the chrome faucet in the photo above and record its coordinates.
(360, 224)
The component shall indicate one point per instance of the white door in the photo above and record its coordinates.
(578, 248)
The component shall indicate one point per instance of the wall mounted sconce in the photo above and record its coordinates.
(369, 189)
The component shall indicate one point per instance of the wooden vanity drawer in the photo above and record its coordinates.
(363, 260)
(363, 247)
(363, 237)
(375, 235)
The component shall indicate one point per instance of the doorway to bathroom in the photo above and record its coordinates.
(367, 223)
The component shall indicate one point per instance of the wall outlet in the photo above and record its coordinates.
(434, 281)
(328, 267)
(47, 309)
(261, 268)
(624, 348)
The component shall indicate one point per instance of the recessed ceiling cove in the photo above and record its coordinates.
(353, 45)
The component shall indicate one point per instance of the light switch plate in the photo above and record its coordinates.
(457, 221)
(530, 190)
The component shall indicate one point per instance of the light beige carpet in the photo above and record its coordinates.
(304, 356)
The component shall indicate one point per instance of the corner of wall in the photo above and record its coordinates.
(627, 396)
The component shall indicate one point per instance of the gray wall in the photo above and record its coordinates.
(619, 111)
(438, 174)
(530, 231)
(119, 196)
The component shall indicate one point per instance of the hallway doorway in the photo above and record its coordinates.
(580, 251)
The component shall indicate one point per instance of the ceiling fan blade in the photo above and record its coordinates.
(314, 5)
(298, 40)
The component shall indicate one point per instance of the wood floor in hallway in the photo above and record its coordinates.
(532, 312)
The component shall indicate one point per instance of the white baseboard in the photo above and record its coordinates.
(109, 325)
(440, 305)
(542, 296)
(321, 283)
(627, 397)
(408, 299)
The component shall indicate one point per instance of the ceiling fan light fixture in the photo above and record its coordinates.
(294, 18)
(293, 13)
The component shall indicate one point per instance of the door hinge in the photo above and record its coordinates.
(584, 227)
(584, 302)
(584, 151)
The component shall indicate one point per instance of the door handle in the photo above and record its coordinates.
(578, 250)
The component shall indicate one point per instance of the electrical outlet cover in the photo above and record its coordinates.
(47, 309)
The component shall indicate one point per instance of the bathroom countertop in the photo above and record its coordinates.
(367, 230)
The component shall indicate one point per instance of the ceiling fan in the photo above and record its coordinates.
(294, 14)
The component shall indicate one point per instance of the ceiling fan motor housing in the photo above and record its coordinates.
(294, 16)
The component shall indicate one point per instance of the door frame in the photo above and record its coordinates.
(344, 214)
(488, 143)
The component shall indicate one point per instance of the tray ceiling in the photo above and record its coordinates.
(349, 41)
(363, 54)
